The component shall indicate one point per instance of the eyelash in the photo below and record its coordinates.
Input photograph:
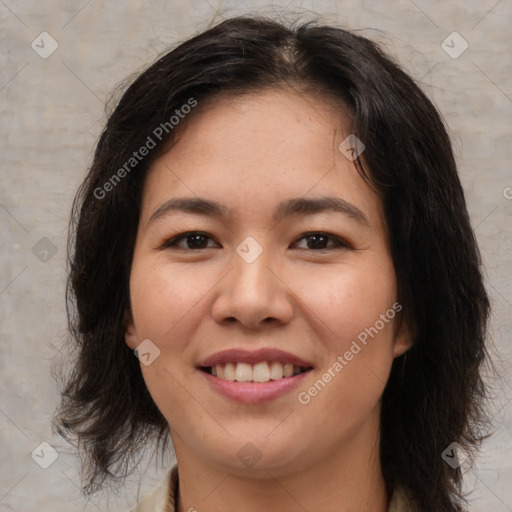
(172, 243)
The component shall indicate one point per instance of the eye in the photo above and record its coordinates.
(193, 240)
(197, 240)
(318, 240)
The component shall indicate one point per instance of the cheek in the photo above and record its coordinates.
(350, 304)
(349, 299)
(168, 302)
(165, 296)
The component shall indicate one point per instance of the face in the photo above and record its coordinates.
(268, 279)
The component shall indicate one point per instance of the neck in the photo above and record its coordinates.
(349, 480)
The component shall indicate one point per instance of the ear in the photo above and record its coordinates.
(130, 334)
(403, 338)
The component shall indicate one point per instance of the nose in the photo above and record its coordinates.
(253, 294)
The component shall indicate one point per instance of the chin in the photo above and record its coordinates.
(255, 453)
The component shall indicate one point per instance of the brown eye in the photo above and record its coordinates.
(319, 241)
(193, 240)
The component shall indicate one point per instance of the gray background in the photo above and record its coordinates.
(52, 111)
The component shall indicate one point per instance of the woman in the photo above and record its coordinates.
(274, 225)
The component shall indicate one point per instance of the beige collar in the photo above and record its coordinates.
(163, 497)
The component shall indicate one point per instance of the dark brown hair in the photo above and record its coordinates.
(435, 394)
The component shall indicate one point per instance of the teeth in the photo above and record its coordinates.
(288, 370)
(276, 370)
(259, 372)
(229, 371)
(243, 372)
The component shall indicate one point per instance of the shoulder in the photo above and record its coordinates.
(161, 498)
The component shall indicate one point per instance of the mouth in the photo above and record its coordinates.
(254, 377)
(263, 371)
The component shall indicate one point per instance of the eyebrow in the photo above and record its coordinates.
(290, 207)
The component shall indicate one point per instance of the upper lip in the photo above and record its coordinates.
(236, 355)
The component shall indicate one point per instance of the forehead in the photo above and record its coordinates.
(257, 149)
(283, 119)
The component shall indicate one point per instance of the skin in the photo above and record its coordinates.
(249, 153)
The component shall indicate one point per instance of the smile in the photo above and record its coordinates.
(264, 371)
(253, 376)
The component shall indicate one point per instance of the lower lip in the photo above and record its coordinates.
(255, 392)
